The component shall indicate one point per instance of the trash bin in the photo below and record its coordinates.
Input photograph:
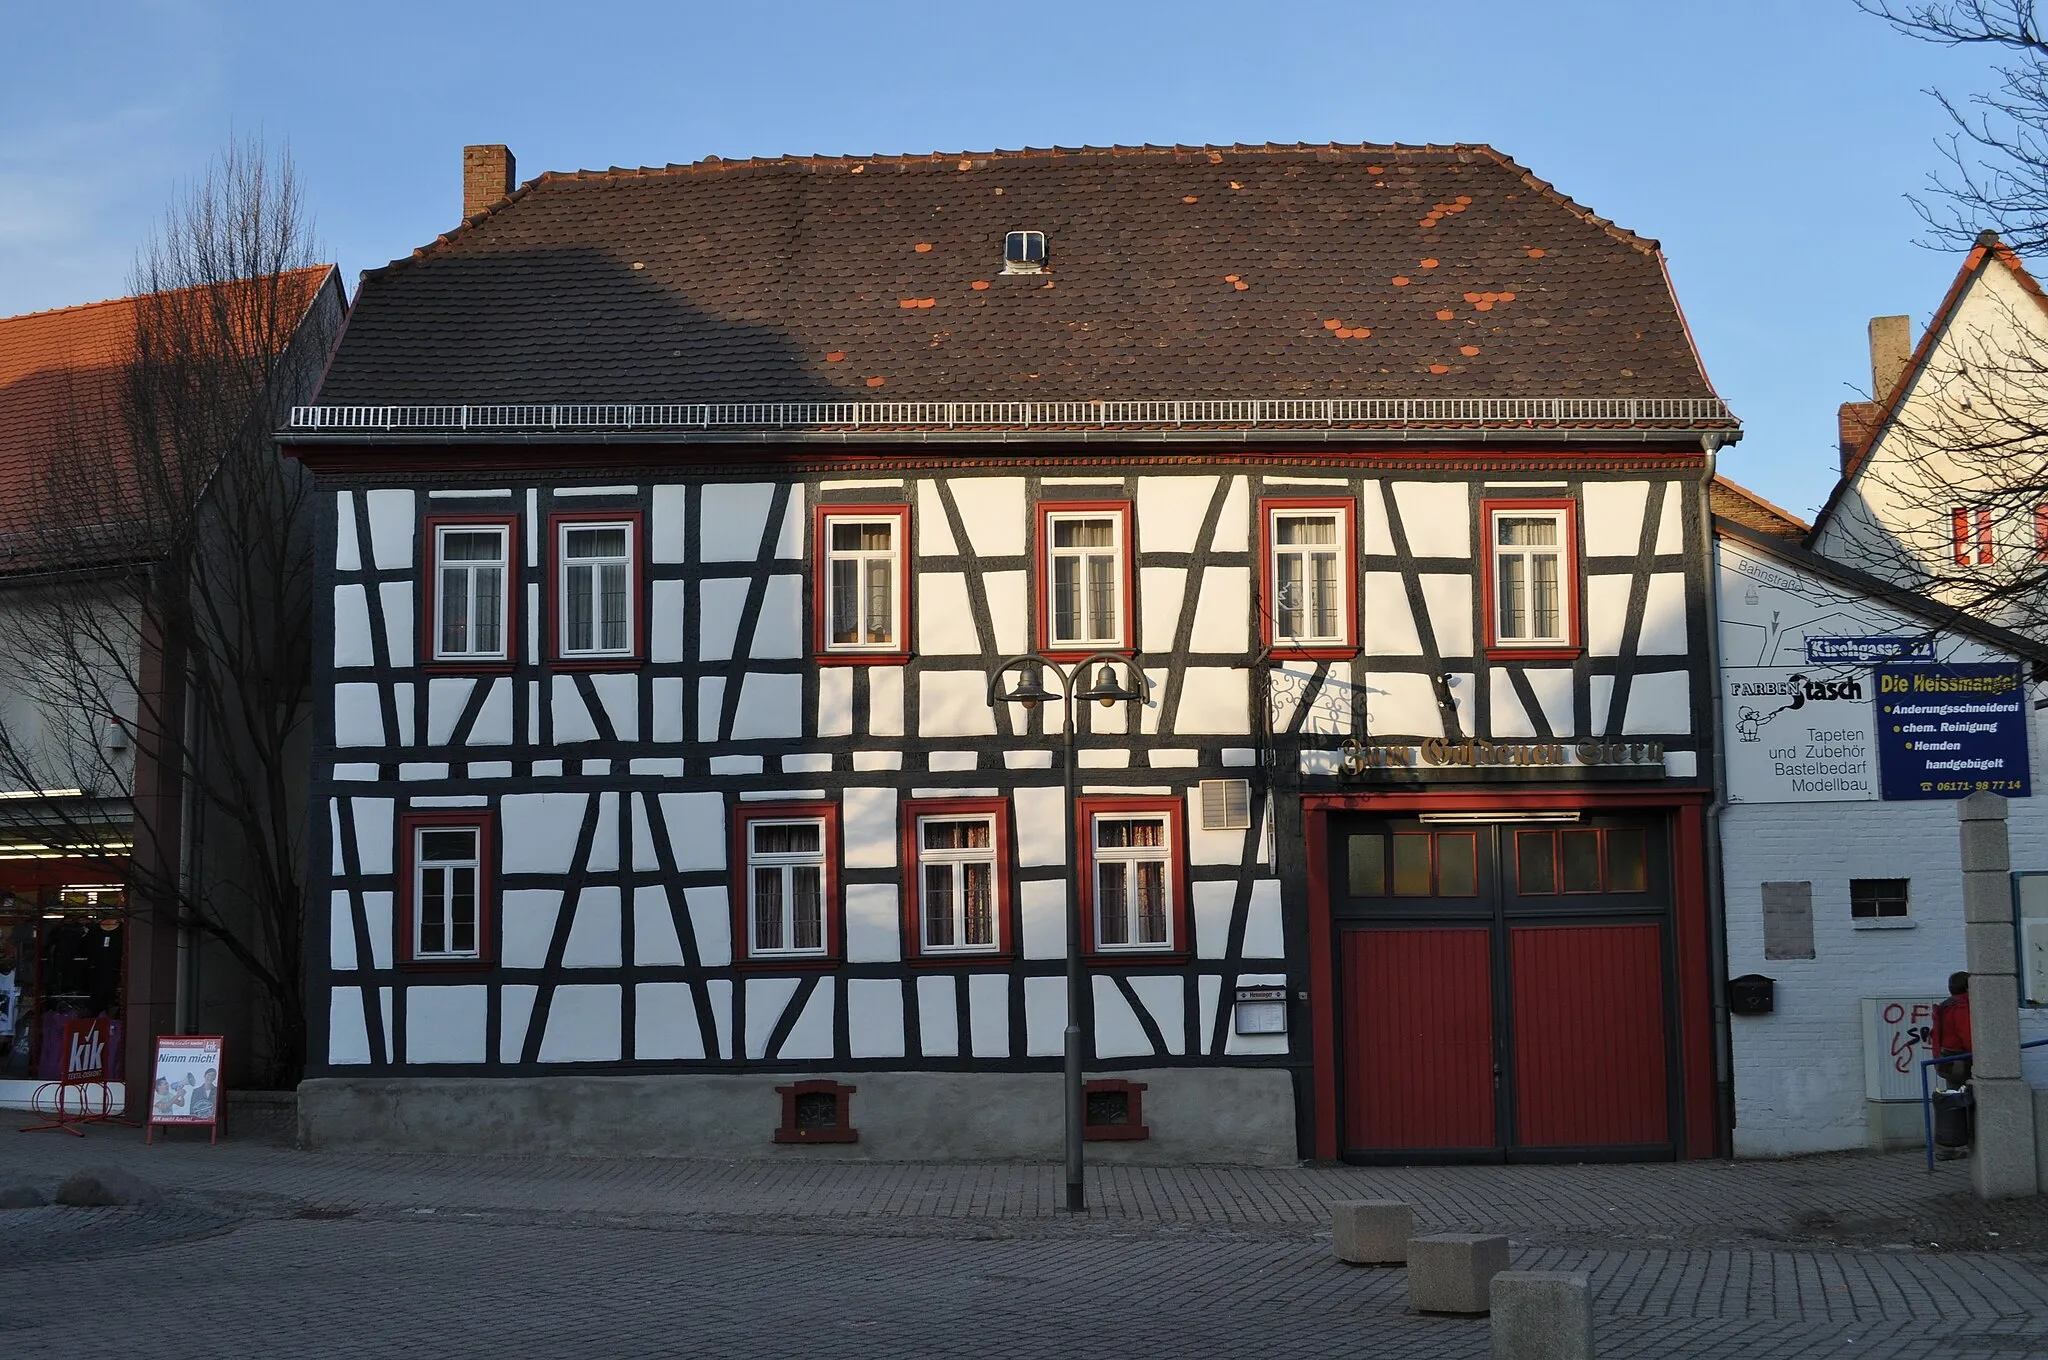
(1952, 1115)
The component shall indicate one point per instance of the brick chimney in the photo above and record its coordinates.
(1891, 349)
(488, 175)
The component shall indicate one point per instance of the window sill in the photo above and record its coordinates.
(1145, 957)
(1127, 653)
(862, 658)
(1883, 923)
(1333, 652)
(443, 965)
(1497, 652)
(448, 666)
(597, 663)
(796, 963)
(963, 959)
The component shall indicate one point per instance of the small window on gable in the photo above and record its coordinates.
(1310, 575)
(470, 610)
(1971, 540)
(1532, 585)
(863, 596)
(1085, 577)
(1024, 252)
(596, 588)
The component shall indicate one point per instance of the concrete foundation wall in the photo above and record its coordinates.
(1220, 1114)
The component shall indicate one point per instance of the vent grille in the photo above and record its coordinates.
(1226, 805)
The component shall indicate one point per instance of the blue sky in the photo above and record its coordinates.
(1769, 144)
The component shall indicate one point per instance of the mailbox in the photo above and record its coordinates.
(1752, 994)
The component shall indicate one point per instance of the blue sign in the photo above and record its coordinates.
(1951, 731)
(1825, 651)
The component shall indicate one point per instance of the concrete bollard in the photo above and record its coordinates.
(1542, 1315)
(1451, 1272)
(2002, 1157)
(1371, 1232)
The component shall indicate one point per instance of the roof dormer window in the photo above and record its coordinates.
(1024, 252)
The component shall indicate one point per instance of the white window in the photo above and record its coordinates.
(1308, 580)
(446, 869)
(957, 883)
(786, 886)
(1133, 883)
(469, 603)
(597, 590)
(1086, 558)
(1530, 586)
(860, 560)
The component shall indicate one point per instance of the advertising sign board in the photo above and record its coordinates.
(1947, 731)
(185, 1086)
(1798, 736)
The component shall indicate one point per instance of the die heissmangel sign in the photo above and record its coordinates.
(1360, 757)
(1950, 731)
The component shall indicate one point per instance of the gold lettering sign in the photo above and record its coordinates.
(1357, 756)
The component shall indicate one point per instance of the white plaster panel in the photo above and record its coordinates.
(341, 932)
(571, 716)
(1041, 832)
(885, 699)
(719, 602)
(992, 511)
(358, 716)
(445, 701)
(953, 761)
(696, 829)
(665, 723)
(401, 703)
(594, 932)
(1681, 764)
(357, 772)
(644, 857)
(1553, 687)
(719, 992)
(710, 707)
(665, 1020)
(1008, 614)
(390, 529)
(348, 1036)
(668, 530)
(347, 555)
(1173, 758)
(739, 765)
(377, 908)
(1600, 690)
(945, 623)
(1389, 622)
(1118, 758)
(620, 695)
(771, 705)
(874, 925)
(665, 640)
(585, 1023)
(1208, 990)
(1437, 517)
(779, 631)
(1214, 902)
(1166, 998)
(1223, 607)
(732, 520)
(1013, 760)
(1117, 1032)
(1234, 523)
(396, 597)
(352, 643)
(816, 763)
(655, 942)
(1160, 590)
(1606, 614)
(870, 831)
(490, 769)
(1664, 632)
(1614, 517)
(1210, 847)
(934, 533)
(835, 701)
(938, 1015)
(1042, 903)
(374, 830)
(1403, 705)
(1171, 511)
(952, 704)
(1264, 937)
(446, 1024)
(789, 540)
(539, 831)
(1670, 521)
(711, 924)
(1045, 1016)
(515, 1014)
(528, 926)
(767, 998)
(1510, 719)
(874, 1018)
(988, 1014)
(1659, 703)
(1213, 699)
(1449, 602)
(1375, 536)
(811, 1035)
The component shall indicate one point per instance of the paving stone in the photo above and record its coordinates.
(105, 1187)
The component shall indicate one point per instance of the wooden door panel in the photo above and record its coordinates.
(1418, 1041)
(1590, 1048)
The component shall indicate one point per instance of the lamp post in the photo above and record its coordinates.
(1030, 691)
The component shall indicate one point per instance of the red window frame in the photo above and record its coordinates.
(744, 816)
(2041, 531)
(1128, 553)
(1086, 810)
(997, 809)
(1346, 509)
(404, 918)
(823, 650)
(636, 579)
(431, 595)
(1573, 593)
(1985, 544)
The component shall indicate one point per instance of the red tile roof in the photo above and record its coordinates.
(1738, 503)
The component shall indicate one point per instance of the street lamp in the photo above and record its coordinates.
(1030, 691)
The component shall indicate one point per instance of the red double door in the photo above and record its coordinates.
(1505, 989)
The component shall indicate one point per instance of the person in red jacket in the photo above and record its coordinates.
(1952, 1030)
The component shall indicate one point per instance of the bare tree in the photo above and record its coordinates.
(164, 643)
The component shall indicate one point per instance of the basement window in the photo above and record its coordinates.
(1024, 252)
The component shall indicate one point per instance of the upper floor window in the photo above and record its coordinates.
(1086, 576)
(446, 881)
(1132, 856)
(786, 887)
(597, 588)
(1310, 574)
(1970, 538)
(863, 575)
(1532, 574)
(471, 617)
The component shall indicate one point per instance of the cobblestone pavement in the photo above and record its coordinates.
(265, 1249)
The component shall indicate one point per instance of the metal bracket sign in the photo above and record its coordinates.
(1948, 731)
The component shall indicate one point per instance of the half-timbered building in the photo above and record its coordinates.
(682, 518)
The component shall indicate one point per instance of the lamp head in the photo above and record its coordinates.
(1105, 690)
(1030, 690)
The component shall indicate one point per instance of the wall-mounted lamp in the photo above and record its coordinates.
(114, 737)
